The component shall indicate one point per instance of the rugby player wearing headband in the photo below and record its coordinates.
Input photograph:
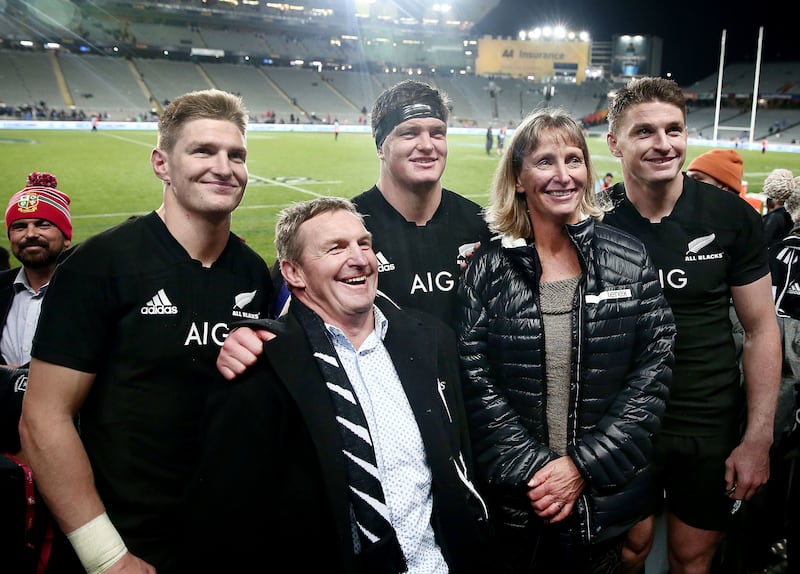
(420, 230)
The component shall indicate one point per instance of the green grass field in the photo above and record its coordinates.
(108, 175)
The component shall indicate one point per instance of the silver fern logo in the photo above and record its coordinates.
(241, 301)
(697, 244)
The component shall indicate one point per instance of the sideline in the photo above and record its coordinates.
(326, 128)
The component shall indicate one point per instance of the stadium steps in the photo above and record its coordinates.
(338, 93)
(139, 77)
(66, 95)
(202, 71)
(281, 91)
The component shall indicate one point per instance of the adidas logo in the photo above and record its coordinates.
(794, 289)
(159, 305)
(383, 263)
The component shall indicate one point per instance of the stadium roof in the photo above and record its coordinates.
(461, 14)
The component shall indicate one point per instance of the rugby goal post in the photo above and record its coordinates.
(751, 128)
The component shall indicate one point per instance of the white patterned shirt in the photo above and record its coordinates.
(21, 321)
(399, 451)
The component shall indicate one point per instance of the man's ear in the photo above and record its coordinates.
(292, 274)
(612, 145)
(159, 161)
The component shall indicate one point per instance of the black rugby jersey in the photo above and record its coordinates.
(711, 241)
(419, 265)
(131, 306)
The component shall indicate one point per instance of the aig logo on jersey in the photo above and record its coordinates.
(383, 263)
(159, 305)
(679, 278)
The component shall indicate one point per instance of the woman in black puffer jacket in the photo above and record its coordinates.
(566, 344)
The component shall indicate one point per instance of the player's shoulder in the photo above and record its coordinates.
(131, 236)
(716, 206)
(462, 206)
(370, 197)
(458, 199)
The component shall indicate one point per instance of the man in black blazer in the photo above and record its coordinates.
(276, 484)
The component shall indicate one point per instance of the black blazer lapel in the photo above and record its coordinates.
(414, 351)
(290, 356)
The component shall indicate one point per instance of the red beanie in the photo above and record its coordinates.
(41, 200)
(724, 165)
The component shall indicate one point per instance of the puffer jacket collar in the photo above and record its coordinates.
(521, 251)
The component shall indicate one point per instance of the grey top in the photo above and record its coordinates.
(556, 303)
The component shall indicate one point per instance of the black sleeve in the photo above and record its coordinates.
(13, 383)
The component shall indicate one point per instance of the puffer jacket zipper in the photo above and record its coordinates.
(578, 315)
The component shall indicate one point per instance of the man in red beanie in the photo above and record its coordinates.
(39, 229)
(724, 169)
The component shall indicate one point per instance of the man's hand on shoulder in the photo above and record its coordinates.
(241, 350)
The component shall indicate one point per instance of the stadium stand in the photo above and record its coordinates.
(168, 79)
(103, 84)
(28, 80)
(314, 97)
(264, 99)
(300, 66)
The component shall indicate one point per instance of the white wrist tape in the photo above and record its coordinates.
(97, 544)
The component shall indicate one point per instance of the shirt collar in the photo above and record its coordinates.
(381, 326)
(21, 284)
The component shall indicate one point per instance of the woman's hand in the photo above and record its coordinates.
(555, 488)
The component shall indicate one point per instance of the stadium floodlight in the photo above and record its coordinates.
(557, 32)
(26, 43)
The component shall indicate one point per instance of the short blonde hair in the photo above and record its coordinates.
(288, 243)
(202, 104)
